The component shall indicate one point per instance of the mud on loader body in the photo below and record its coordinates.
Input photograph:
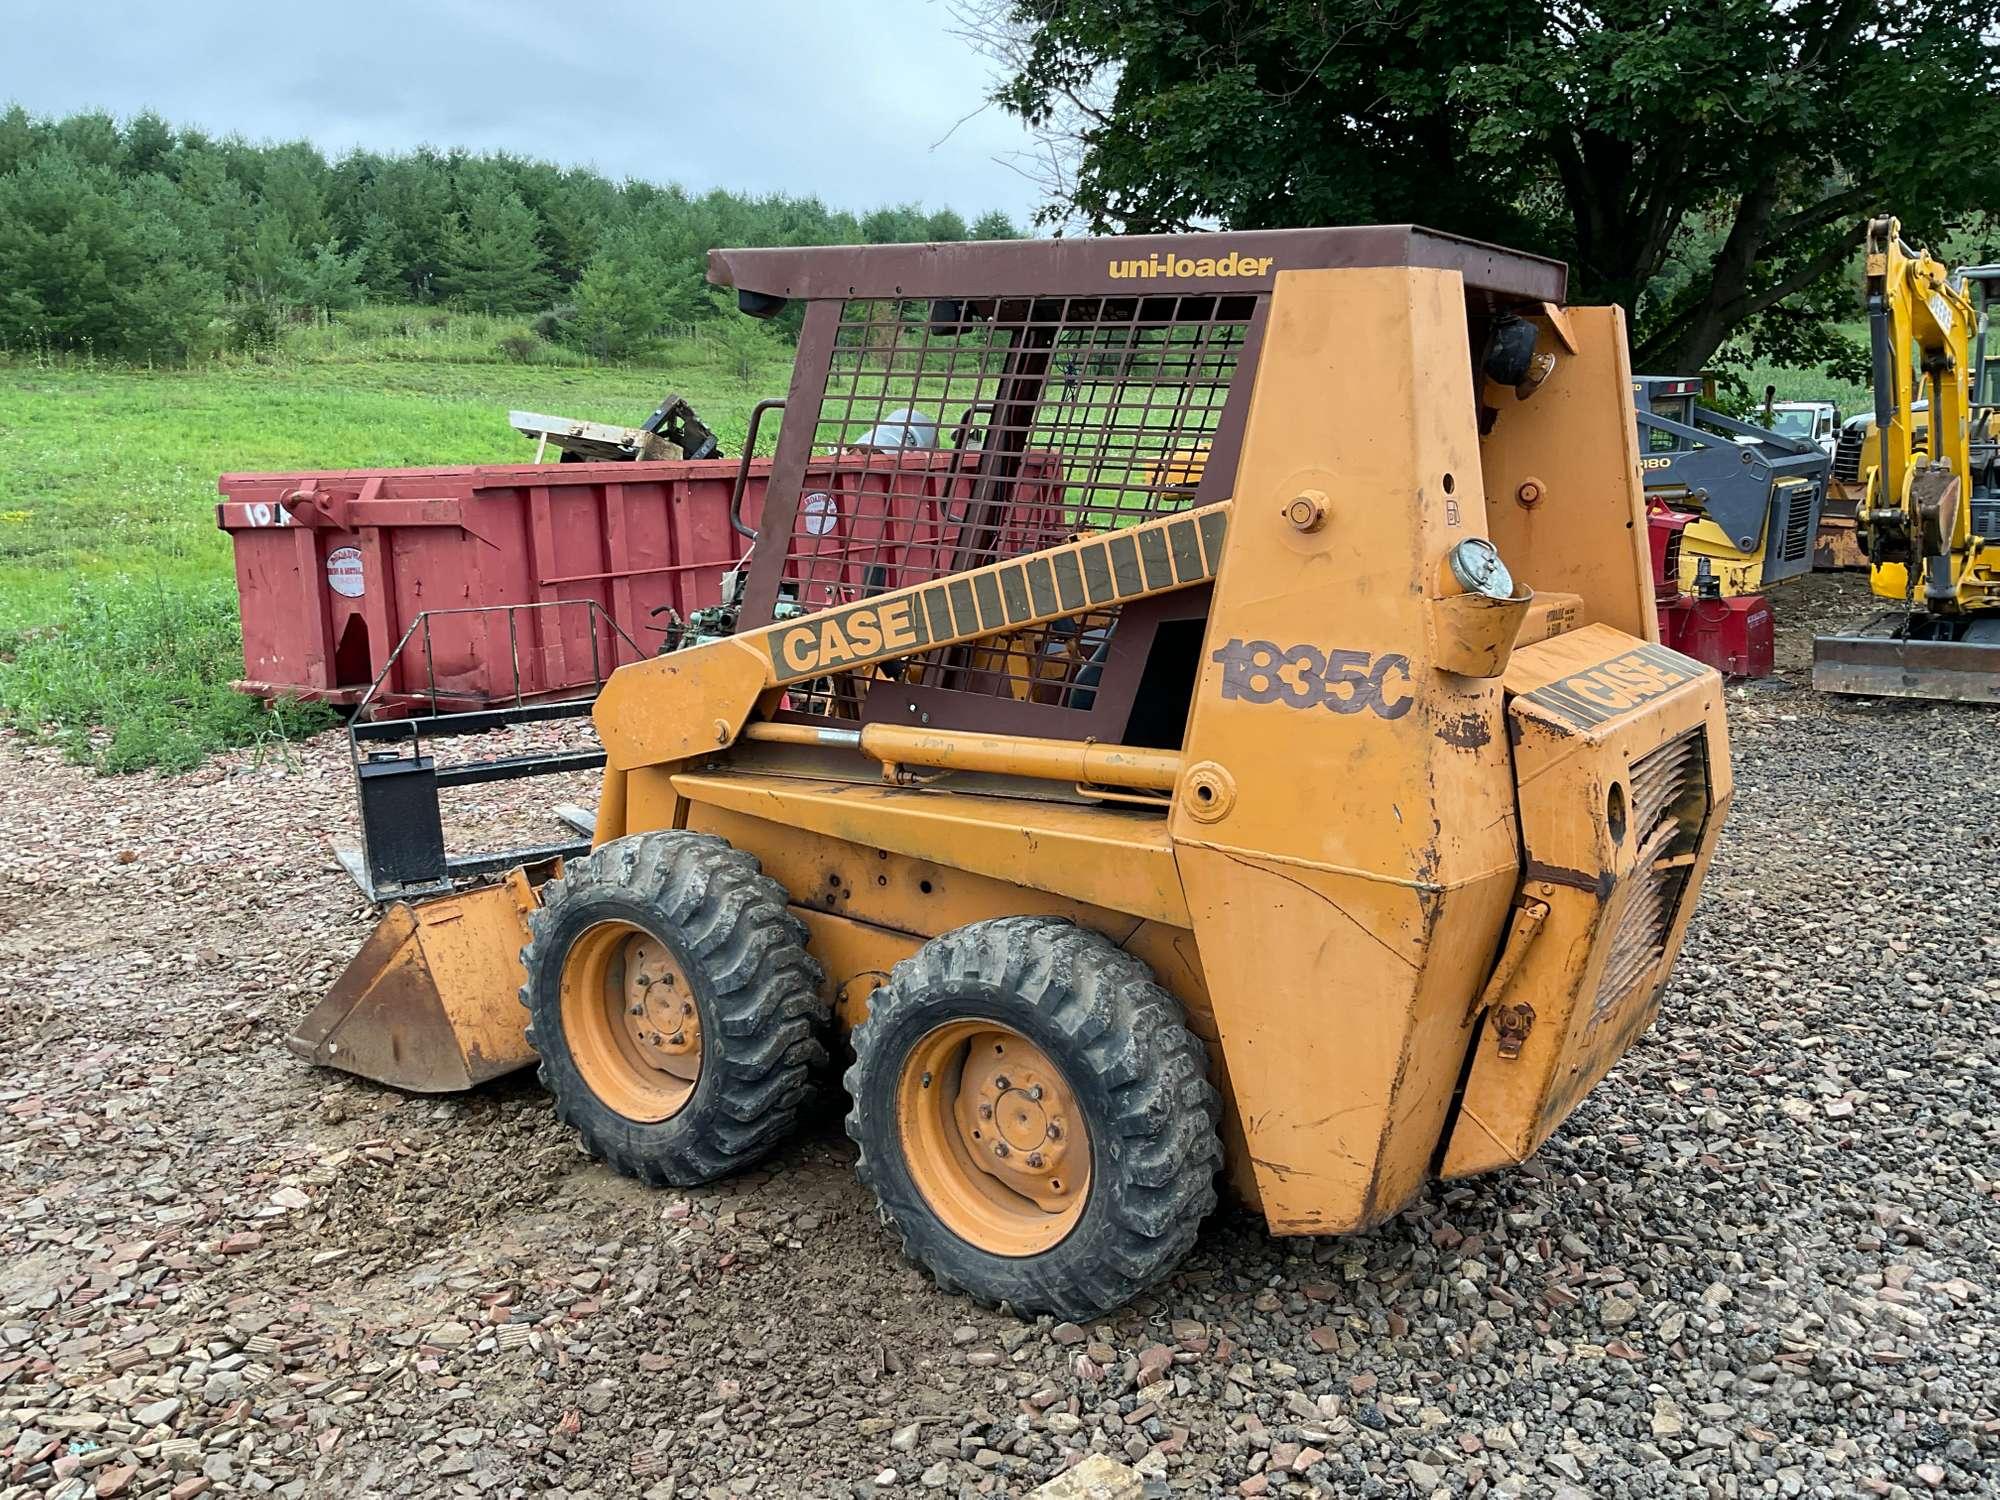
(1193, 789)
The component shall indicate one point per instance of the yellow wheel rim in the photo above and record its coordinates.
(994, 1137)
(630, 1021)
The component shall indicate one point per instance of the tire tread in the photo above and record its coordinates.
(761, 1004)
(1115, 1023)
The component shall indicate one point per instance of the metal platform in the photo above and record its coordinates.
(1899, 655)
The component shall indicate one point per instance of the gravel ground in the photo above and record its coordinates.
(1759, 1260)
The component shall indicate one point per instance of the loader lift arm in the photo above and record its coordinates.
(1152, 557)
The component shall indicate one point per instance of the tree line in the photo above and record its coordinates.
(139, 239)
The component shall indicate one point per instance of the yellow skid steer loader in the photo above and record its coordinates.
(1321, 817)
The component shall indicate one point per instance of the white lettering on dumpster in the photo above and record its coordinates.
(343, 572)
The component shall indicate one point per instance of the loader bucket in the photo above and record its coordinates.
(431, 1003)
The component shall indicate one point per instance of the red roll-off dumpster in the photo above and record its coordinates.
(333, 567)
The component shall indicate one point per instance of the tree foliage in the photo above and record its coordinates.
(90, 261)
(493, 257)
(142, 240)
(620, 306)
(1710, 166)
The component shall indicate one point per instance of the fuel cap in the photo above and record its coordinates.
(1475, 563)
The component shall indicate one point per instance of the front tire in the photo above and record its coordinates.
(1034, 1117)
(673, 1004)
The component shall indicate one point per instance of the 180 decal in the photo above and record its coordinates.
(1304, 676)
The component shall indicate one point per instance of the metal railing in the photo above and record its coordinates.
(514, 709)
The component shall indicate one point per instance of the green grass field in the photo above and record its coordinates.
(118, 632)
(117, 600)
(1814, 385)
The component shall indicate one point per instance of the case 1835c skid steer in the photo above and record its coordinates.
(1324, 816)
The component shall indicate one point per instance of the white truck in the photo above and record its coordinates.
(1813, 421)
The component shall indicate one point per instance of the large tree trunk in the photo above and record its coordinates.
(1690, 345)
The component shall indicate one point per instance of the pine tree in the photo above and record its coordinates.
(411, 198)
(944, 226)
(329, 281)
(492, 259)
(619, 309)
(88, 262)
(149, 143)
(20, 137)
(292, 191)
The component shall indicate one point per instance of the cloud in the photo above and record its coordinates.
(854, 101)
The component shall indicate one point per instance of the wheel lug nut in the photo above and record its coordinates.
(1055, 1130)
(639, 1010)
(1034, 1158)
(1000, 1148)
(985, 1111)
(1002, 1084)
(1035, 1092)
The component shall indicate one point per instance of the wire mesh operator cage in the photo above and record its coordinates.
(954, 406)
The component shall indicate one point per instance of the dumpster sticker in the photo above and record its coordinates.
(343, 572)
(822, 513)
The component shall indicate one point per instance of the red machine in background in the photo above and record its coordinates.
(1733, 635)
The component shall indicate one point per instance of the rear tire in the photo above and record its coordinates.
(672, 1001)
(992, 1054)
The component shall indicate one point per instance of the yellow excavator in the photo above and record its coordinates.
(1929, 520)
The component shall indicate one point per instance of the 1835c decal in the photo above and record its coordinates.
(1304, 676)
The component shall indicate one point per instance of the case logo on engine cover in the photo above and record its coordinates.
(1611, 688)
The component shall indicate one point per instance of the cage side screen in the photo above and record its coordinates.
(956, 434)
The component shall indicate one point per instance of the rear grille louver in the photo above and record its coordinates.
(1668, 797)
(1798, 523)
(1847, 455)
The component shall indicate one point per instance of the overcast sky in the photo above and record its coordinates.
(852, 100)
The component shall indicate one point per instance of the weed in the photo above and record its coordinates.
(522, 348)
(133, 672)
